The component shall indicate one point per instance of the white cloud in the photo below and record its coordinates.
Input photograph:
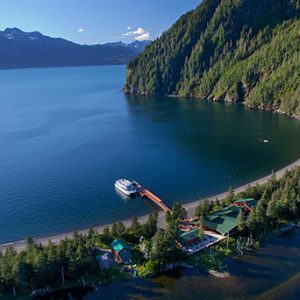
(80, 30)
(128, 27)
(143, 37)
(139, 34)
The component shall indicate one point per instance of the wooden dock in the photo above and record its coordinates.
(144, 193)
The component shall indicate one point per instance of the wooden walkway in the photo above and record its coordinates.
(144, 193)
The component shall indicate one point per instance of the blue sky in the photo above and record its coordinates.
(94, 21)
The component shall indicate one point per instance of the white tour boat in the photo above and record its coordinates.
(125, 186)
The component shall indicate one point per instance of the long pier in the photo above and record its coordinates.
(144, 193)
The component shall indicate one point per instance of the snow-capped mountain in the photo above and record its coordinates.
(20, 49)
(15, 34)
(137, 46)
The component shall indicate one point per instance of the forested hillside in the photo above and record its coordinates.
(227, 50)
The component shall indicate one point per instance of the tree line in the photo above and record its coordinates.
(74, 260)
(227, 50)
(278, 203)
(41, 267)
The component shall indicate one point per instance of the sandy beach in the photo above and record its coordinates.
(190, 207)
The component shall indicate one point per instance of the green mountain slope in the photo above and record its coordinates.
(227, 50)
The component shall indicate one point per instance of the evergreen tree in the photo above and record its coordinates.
(252, 224)
(150, 227)
(178, 212)
(241, 222)
(202, 227)
(213, 53)
(164, 248)
(135, 227)
(118, 230)
(168, 217)
(106, 236)
(231, 196)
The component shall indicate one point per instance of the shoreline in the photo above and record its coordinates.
(276, 111)
(190, 208)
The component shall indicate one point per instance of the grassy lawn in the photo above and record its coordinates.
(213, 257)
(102, 246)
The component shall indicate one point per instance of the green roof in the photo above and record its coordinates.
(118, 245)
(223, 220)
(250, 202)
(189, 235)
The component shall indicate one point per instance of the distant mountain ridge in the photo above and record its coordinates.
(137, 46)
(19, 49)
(227, 50)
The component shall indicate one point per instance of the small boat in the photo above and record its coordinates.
(125, 186)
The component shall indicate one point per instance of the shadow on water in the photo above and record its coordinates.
(128, 290)
(75, 293)
(212, 129)
(268, 273)
(277, 257)
(249, 269)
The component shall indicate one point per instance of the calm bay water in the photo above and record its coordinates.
(67, 134)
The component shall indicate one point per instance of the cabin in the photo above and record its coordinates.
(188, 237)
(225, 220)
(247, 204)
(121, 252)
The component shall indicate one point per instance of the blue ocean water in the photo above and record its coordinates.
(66, 135)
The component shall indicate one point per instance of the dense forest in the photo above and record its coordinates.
(227, 50)
(278, 202)
(73, 261)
